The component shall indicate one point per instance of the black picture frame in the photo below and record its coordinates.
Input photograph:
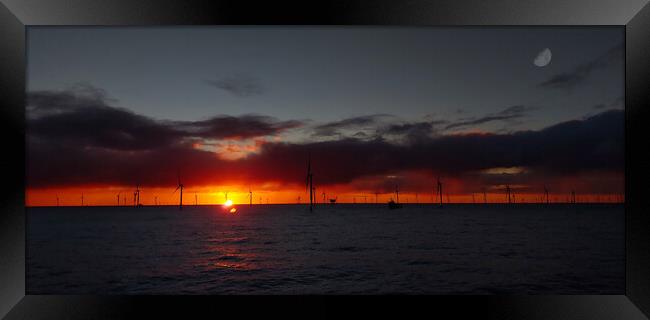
(633, 15)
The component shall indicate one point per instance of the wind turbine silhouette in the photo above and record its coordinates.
(250, 197)
(137, 191)
(180, 186)
(309, 183)
(57, 199)
(546, 194)
(573, 196)
(136, 196)
(440, 190)
(118, 198)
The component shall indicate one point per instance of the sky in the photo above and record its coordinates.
(233, 108)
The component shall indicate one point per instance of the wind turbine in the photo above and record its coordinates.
(440, 190)
(250, 197)
(573, 196)
(82, 199)
(57, 199)
(137, 191)
(180, 186)
(546, 194)
(508, 193)
(309, 183)
(118, 198)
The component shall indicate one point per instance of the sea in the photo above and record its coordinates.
(335, 249)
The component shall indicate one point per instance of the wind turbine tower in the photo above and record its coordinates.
(180, 187)
(136, 195)
(310, 183)
(439, 190)
(546, 194)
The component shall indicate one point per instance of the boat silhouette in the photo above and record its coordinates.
(393, 204)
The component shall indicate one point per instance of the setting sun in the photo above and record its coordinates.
(228, 203)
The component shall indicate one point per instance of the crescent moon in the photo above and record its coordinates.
(543, 58)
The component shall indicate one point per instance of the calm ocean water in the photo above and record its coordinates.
(341, 249)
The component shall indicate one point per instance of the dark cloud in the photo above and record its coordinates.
(508, 114)
(334, 128)
(246, 126)
(96, 144)
(70, 118)
(420, 128)
(617, 103)
(575, 77)
(82, 120)
(568, 148)
(412, 132)
(239, 85)
(378, 126)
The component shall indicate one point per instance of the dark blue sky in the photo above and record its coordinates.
(332, 73)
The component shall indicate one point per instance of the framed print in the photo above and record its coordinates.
(481, 159)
